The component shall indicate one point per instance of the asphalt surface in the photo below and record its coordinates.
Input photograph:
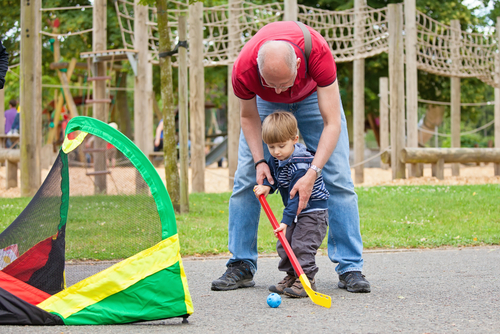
(423, 291)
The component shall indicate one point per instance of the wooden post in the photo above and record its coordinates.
(411, 81)
(359, 93)
(384, 116)
(497, 99)
(396, 79)
(183, 117)
(197, 96)
(10, 174)
(233, 106)
(143, 106)
(455, 91)
(31, 96)
(291, 10)
(2, 112)
(438, 169)
(99, 92)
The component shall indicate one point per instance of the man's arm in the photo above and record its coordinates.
(159, 129)
(329, 107)
(252, 129)
(4, 64)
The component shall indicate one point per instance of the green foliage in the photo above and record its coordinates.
(70, 47)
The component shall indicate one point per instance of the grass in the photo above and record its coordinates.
(110, 227)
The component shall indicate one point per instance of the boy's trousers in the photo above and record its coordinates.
(304, 236)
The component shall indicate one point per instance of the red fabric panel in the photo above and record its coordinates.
(22, 290)
(35, 258)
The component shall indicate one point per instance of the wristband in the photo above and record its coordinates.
(260, 161)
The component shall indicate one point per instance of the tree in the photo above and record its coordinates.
(169, 142)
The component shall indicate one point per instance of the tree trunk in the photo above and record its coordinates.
(169, 143)
(121, 106)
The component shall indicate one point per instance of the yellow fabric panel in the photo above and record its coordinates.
(114, 279)
(188, 300)
(70, 144)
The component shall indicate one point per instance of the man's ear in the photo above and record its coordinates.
(298, 62)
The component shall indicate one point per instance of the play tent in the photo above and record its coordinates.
(150, 284)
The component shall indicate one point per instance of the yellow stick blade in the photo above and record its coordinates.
(317, 298)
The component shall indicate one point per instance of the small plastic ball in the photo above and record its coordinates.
(274, 300)
(51, 125)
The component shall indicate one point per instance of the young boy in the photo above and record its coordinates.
(288, 163)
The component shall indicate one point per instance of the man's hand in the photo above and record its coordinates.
(261, 190)
(304, 186)
(262, 172)
(281, 228)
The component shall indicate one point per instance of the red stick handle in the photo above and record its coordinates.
(281, 236)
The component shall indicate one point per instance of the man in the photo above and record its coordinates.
(271, 73)
(10, 115)
(4, 64)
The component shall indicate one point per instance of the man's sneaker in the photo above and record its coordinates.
(354, 281)
(238, 275)
(297, 290)
(284, 283)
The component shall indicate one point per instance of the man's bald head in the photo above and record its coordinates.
(277, 58)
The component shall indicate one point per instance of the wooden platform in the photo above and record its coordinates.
(119, 54)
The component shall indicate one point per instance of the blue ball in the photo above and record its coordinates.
(274, 300)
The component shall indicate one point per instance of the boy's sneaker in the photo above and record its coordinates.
(238, 275)
(284, 283)
(297, 290)
(354, 281)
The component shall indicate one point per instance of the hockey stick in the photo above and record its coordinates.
(316, 297)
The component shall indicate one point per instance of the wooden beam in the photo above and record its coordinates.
(438, 169)
(13, 155)
(99, 92)
(497, 97)
(30, 96)
(71, 68)
(411, 81)
(359, 93)
(233, 104)
(183, 118)
(143, 104)
(450, 155)
(455, 91)
(291, 10)
(384, 115)
(396, 79)
(197, 97)
(70, 103)
(78, 65)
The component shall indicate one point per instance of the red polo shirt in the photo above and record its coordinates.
(321, 70)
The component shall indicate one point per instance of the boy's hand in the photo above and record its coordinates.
(261, 190)
(281, 228)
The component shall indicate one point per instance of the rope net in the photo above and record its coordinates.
(351, 35)
(445, 51)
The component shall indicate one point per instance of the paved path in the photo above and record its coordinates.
(430, 291)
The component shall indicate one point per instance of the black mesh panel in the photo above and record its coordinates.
(41, 218)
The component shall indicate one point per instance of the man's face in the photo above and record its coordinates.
(280, 81)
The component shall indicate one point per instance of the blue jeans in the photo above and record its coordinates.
(344, 239)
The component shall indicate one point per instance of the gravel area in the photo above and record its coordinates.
(122, 179)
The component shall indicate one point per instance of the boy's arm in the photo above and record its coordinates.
(290, 211)
(274, 186)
